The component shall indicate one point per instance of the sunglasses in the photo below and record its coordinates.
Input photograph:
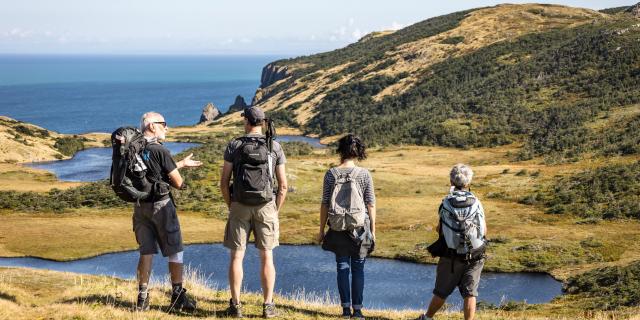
(163, 123)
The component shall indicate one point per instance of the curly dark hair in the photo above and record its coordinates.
(351, 147)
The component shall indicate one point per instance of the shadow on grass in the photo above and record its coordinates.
(117, 302)
(324, 314)
(6, 296)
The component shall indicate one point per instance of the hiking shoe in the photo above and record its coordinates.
(346, 313)
(269, 310)
(234, 310)
(143, 302)
(181, 301)
(357, 314)
(423, 317)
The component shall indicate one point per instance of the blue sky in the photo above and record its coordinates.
(284, 27)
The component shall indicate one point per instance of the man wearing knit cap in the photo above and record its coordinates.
(253, 161)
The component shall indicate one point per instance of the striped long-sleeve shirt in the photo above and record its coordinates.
(365, 182)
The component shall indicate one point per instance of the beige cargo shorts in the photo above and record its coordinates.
(262, 220)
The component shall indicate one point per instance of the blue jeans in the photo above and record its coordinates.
(350, 293)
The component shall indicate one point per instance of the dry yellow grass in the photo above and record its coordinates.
(16, 147)
(86, 234)
(37, 294)
(20, 178)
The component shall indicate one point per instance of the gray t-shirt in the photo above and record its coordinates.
(365, 182)
(276, 153)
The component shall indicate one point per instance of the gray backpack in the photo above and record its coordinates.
(463, 225)
(347, 210)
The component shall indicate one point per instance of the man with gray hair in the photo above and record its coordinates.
(155, 221)
(461, 244)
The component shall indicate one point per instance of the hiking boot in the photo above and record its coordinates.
(423, 317)
(143, 302)
(181, 301)
(269, 310)
(357, 314)
(346, 313)
(234, 310)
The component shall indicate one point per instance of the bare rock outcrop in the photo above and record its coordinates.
(635, 10)
(209, 113)
(238, 104)
(272, 73)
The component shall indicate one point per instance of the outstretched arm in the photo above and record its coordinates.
(175, 177)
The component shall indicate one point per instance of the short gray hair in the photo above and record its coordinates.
(461, 175)
(144, 120)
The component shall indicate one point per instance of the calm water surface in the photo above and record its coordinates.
(93, 164)
(77, 94)
(388, 283)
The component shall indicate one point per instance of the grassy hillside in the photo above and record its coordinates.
(536, 75)
(25, 142)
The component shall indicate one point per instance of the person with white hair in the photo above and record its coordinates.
(461, 244)
(155, 221)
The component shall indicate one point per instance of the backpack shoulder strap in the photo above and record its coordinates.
(335, 173)
(355, 173)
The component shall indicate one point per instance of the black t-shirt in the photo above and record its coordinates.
(159, 160)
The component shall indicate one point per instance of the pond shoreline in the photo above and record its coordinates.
(314, 273)
(187, 243)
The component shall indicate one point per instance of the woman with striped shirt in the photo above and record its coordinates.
(351, 247)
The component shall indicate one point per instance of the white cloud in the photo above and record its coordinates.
(394, 26)
(357, 34)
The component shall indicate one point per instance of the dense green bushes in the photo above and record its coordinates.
(476, 101)
(296, 148)
(69, 145)
(609, 287)
(283, 118)
(608, 192)
(93, 195)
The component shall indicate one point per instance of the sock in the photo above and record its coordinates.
(176, 287)
(143, 290)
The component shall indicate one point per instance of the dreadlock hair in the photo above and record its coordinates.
(351, 147)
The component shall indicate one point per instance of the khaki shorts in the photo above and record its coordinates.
(465, 276)
(262, 220)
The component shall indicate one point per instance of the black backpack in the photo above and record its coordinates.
(252, 171)
(128, 171)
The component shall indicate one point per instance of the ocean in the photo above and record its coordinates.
(79, 94)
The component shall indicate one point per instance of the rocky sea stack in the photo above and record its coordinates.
(238, 105)
(209, 113)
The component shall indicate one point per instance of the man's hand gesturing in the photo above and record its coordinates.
(188, 162)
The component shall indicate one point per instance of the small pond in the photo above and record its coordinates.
(389, 284)
(314, 142)
(93, 164)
